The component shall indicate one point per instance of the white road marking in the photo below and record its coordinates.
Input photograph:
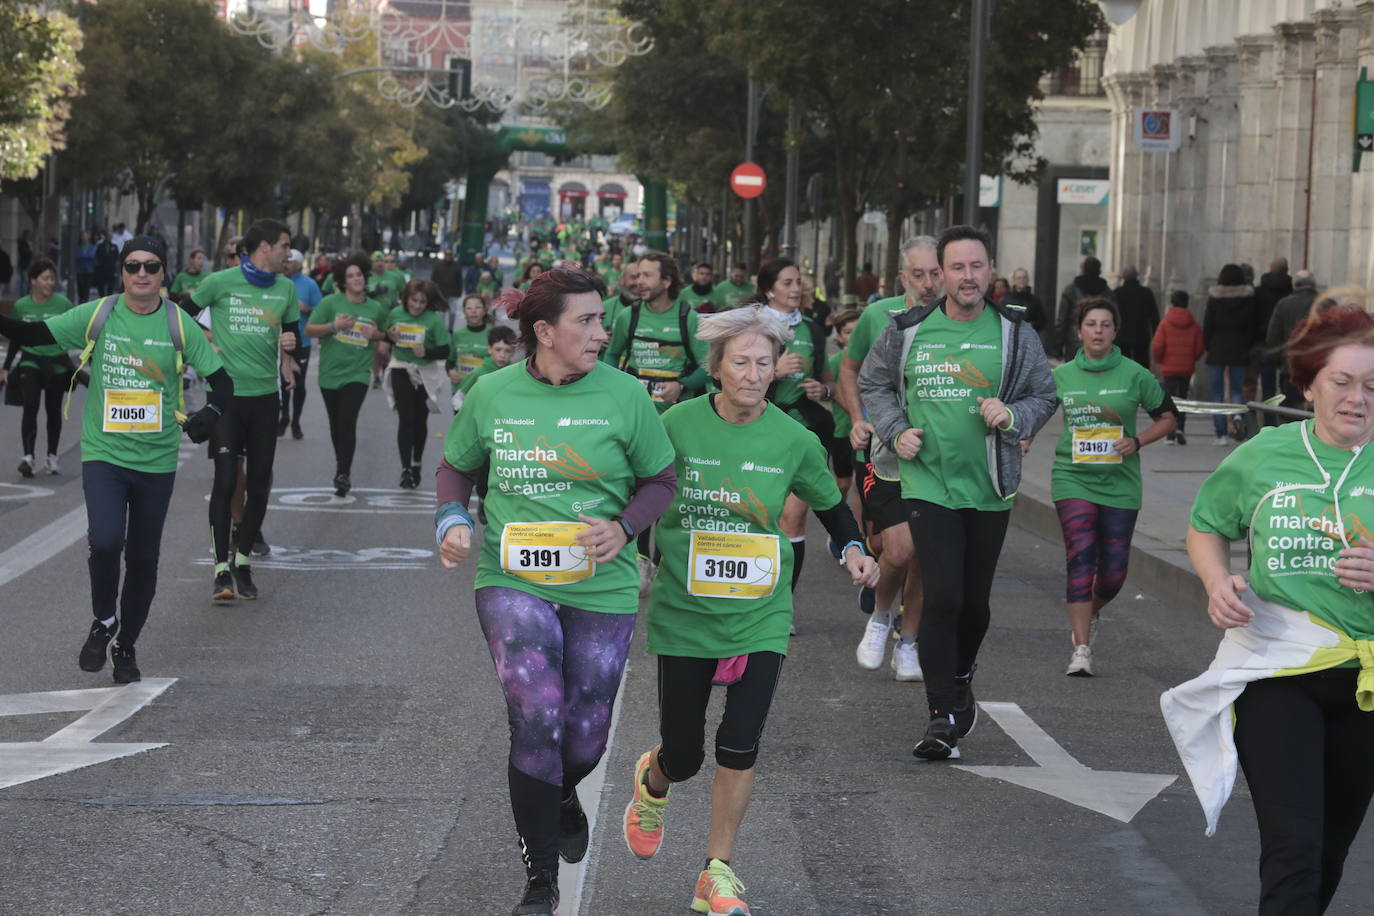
(71, 748)
(1115, 794)
(44, 544)
(24, 492)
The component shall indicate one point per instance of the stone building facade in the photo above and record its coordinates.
(1265, 90)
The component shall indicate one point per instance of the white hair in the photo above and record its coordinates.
(719, 328)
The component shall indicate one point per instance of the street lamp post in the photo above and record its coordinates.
(978, 36)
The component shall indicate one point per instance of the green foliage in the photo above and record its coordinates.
(38, 74)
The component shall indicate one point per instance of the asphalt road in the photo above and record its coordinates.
(338, 746)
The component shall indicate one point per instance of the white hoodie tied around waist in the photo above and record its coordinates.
(431, 376)
(1278, 642)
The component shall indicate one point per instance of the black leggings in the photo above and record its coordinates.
(958, 550)
(293, 399)
(249, 429)
(125, 511)
(412, 414)
(1177, 387)
(34, 384)
(1305, 748)
(684, 690)
(342, 406)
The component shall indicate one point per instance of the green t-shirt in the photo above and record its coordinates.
(128, 418)
(246, 321)
(395, 282)
(346, 356)
(556, 451)
(732, 481)
(727, 295)
(1270, 489)
(428, 329)
(186, 281)
(613, 305)
(843, 425)
(810, 346)
(951, 365)
(656, 354)
(28, 310)
(488, 289)
(487, 367)
(469, 349)
(691, 298)
(1103, 405)
(328, 286)
(873, 320)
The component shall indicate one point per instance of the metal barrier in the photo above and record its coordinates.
(1260, 410)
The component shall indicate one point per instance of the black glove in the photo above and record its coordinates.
(201, 424)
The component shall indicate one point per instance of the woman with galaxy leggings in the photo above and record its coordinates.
(579, 464)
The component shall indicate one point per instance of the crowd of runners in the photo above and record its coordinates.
(622, 433)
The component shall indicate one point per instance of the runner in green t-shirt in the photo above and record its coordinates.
(627, 295)
(578, 463)
(952, 388)
(647, 340)
(722, 604)
(254, 317)
(351, 327)
(1095, 484)
(841, 452)
(469, 341)
(501, 344)
(734, 290)
(885, 517)
(420, 347)
(699, 295)
(190, 278)
(1293, 662)
(129, 439)
(44, 371)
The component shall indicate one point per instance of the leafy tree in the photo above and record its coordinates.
(38, 74)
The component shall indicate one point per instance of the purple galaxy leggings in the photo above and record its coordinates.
(1097, 541)
(559, 669)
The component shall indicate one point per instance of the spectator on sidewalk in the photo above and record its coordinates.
(25, 259)
(1021, 294)
(1139, 317)
(866, 283)
(1290, 312)
(1228, 332)
(1177, 347)
(1273, 286)
(1087, 284)
(6, 271)
(106, 266)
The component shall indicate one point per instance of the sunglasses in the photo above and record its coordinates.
(151, 267)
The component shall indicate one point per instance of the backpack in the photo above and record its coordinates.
(97, 324)
(689, 358)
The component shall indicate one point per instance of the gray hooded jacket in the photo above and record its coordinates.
(1027, 389)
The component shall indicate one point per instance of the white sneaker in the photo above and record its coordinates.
(906, 666)
(26, 466)
(52, 465)
(1222, 441)
(1081, 662)
(647, 571)
(873, 646)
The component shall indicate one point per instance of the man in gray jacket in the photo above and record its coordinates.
(952, 388)
(1290, 312)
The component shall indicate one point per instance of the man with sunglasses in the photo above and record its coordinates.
(129, 439)
(254, 318)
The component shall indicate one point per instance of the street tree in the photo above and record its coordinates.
(39, 71)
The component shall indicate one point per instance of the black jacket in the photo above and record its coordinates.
(1139, 314)
(1288, 314)
(1027, 299)
(1082, 287)
(1229, 326)
(1272, 287)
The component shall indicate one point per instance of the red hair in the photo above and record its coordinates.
(546, 299)
(1314, 340)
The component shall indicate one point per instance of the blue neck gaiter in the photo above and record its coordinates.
(253, 275)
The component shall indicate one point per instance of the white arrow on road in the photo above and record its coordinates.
(1117, 795)
(71, 748)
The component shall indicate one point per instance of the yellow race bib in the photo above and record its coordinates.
(1093, 444)
(410, 335)
(545, 552)
(467, 362)
(653, 381)
(722, 565)
(353, 337)
(133, 410)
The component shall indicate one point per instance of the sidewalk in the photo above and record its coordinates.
(1171, 475)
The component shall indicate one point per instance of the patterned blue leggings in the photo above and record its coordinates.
(1097, 541)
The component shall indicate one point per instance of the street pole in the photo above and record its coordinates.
(789, 232)
(978, 36)
(751, 125)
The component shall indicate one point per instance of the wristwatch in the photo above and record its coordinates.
(624, 526)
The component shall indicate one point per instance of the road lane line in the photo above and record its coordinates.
(44, 544)
(111, 711)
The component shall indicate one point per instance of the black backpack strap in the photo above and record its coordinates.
(689, 364)
(630, 335)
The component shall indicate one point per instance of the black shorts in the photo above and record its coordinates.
(246, 419)
(841, 456)
(881, 499)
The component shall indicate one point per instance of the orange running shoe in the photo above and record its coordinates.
(718, 890)
(644, 815)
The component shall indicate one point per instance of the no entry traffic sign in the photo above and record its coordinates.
(748, 180)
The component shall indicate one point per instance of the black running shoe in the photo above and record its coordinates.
(342, 485)
(125, 666)
(297, 432)
(964, 709)
(940, 739)
(97, 642)
(260, 547)
(223, 589)
(26, 466)
(573, 834)
(541, 894)
(281, 427)
(243, 582)
(407, 479)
